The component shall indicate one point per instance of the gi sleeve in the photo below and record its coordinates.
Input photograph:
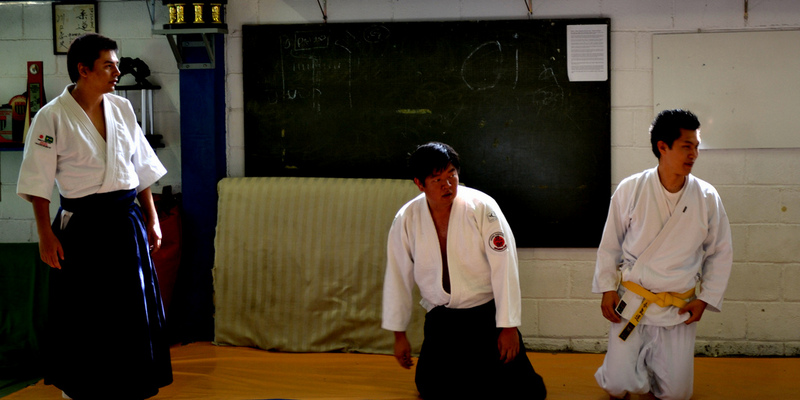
(399, 279)
(718, 257)
(609, 253)
(501, 253)
(145, 162)
(37, 174)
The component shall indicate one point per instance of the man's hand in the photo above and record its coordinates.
(402, 350)
(151, 219)
(608, 305)
(508, 344)
(695, 308)
(50, 249)
(154, 235)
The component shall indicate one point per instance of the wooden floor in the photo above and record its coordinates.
(204, 371)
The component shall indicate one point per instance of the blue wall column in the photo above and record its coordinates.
(203, 164)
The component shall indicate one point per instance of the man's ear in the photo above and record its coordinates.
(662, 146)
(419, 184)
(82, 69)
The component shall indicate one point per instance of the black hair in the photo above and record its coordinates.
(85, 49)
(430, 158)
(667, 127)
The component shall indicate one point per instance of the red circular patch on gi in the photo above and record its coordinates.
(497, 242)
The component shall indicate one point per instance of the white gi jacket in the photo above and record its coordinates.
(693, 244)
(64, 147)
(481, 256)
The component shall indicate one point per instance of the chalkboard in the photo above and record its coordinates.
(353, 99)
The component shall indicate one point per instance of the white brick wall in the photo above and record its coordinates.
(760, 188)
(26, 35)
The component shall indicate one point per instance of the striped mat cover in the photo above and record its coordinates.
(300, 262)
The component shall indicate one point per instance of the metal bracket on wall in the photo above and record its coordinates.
(179, 39)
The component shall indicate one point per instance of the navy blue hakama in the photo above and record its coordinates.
(106, 334)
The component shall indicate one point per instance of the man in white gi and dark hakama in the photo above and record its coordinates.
(666, 234)
(454, 243)
(105, 334)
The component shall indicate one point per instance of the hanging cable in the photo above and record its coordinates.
(324, 11)
(746, 9)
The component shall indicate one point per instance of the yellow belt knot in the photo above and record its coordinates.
(663, 299)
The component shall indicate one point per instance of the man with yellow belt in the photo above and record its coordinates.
(666, 233)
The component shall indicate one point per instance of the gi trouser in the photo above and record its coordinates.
(657, 359)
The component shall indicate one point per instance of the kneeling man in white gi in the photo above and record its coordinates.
(666, 234)
(456, 245)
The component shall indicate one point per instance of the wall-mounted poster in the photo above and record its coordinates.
(70, 20)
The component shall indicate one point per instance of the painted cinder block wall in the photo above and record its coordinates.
(760, 188)
(26, 33)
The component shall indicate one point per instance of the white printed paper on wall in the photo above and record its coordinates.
(587, 52)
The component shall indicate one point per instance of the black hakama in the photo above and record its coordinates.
(459, 359)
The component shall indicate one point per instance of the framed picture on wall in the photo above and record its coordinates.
(70, 20)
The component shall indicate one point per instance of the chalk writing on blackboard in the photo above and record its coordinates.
(376, 33)
(492, 51)
(310, 40)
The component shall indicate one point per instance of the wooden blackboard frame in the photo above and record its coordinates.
(353, 99)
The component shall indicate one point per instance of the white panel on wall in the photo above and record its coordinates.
(744, 86)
